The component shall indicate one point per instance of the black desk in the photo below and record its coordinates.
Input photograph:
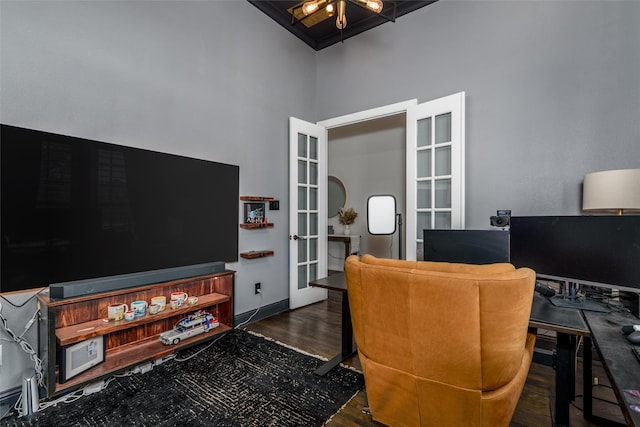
(568, 324)
(338, 282)
(621, 366)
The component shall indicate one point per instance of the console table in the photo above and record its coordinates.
(344, 239)
(70, 321)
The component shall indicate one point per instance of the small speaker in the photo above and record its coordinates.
(124, 281)
(30, 394)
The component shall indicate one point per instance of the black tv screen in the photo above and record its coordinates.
(76, 209)
(599, 250)
(466, 246)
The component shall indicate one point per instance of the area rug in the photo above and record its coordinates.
(240, 380)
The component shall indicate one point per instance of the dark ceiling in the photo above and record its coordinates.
(325, 33)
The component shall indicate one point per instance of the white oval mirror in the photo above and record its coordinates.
(337, 195)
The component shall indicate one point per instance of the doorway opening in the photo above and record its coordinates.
(369, 157)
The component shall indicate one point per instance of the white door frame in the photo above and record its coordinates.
(363, 116)
(410, 108)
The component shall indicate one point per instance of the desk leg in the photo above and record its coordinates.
(587, 378)
(564, 377)
(347, 339)
(347, 327)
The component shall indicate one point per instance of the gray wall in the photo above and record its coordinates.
(552, 91)
(215, 80)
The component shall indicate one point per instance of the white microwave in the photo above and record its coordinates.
(77, 358)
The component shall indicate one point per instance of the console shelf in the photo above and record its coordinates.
(255, 254)
(250, 207)
(127, 343)
(133, 354)
(82, 331)
(256, 199)
(257, 225)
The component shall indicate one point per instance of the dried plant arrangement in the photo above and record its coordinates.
(347, 216)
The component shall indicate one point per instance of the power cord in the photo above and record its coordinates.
(25, 346)
(17, 305)
(85, 391)
(184, 359)
(254, 313)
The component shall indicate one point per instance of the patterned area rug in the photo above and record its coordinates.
(241, 380)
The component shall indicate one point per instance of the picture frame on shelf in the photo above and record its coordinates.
(254, 213)
(79, 357)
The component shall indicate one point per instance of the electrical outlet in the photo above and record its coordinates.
(257, 288)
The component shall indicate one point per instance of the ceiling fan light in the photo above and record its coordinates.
(374, 5)
(309, 7)
(330, 9)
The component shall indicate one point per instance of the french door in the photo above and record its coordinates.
(435, 169)
(307, 211)
(435, 140)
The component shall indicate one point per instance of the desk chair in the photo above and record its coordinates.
(441, 344)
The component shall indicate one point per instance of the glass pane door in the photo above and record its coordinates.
(307, 209)
(435, 169)
(308, 198)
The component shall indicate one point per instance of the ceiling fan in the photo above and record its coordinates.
(312, 12)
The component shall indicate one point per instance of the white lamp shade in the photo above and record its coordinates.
(611, 191)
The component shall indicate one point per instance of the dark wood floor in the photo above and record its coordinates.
(316, 330)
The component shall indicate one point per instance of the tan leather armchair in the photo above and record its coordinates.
(441, 344)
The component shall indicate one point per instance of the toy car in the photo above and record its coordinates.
(194, 324)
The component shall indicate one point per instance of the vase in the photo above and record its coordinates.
(346, 232)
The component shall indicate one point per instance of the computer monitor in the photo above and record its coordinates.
(592, 250)
(466, 246)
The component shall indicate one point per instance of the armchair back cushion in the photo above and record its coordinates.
(441, 343)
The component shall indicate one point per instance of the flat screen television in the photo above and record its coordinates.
(590, 250)
(74, 209)
(466, 246)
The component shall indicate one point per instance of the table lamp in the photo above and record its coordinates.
(612, 191)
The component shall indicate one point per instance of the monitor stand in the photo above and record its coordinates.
(561, 301)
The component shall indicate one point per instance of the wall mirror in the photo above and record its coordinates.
(337, 195)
